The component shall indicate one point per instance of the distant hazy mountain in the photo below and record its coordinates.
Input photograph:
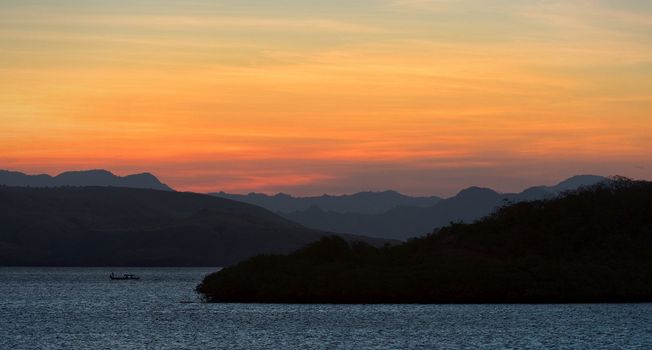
(116, 226)
(406, 222)
(361, 202)
(569, 184)
(82, 178)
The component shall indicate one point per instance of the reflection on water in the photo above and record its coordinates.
(80, 308)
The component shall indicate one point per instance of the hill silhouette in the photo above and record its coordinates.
(96, 177)
(404, 222)
(361, 202)
(115, 226)
(594, 245)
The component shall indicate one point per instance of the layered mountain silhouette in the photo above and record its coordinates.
(118, 226)
(386, 214)
(361, 202)
(405, 222)
(593, 245)
(82, 178)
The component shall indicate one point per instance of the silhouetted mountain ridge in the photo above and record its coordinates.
(361, 202)
(118, 226)
(96, 177)
(406, 222)
(476, 193)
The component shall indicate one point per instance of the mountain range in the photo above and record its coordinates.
(96, 177)
(386, 214)
(361, 202)
(370, 202)
(117, 226)
(404, 222)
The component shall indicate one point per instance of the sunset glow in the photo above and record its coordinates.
(307, 97)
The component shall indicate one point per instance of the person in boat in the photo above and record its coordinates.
(126, 276)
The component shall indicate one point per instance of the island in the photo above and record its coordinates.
(589, 245)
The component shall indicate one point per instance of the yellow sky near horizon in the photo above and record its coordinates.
(421, 96)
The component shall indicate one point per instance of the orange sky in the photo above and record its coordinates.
(420, 96)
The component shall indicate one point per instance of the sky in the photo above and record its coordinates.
(310, 97)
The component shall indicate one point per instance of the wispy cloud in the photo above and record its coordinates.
(587, 16)
(190, 22)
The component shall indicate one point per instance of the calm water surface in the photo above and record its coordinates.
(80, 308)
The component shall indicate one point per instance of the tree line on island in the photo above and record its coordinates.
(590, 245)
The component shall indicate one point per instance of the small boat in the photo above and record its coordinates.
(126, 276)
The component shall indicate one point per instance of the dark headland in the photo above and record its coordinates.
(591, 245)
(118, 226)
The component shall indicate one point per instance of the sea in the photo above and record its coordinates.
(81, 308)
